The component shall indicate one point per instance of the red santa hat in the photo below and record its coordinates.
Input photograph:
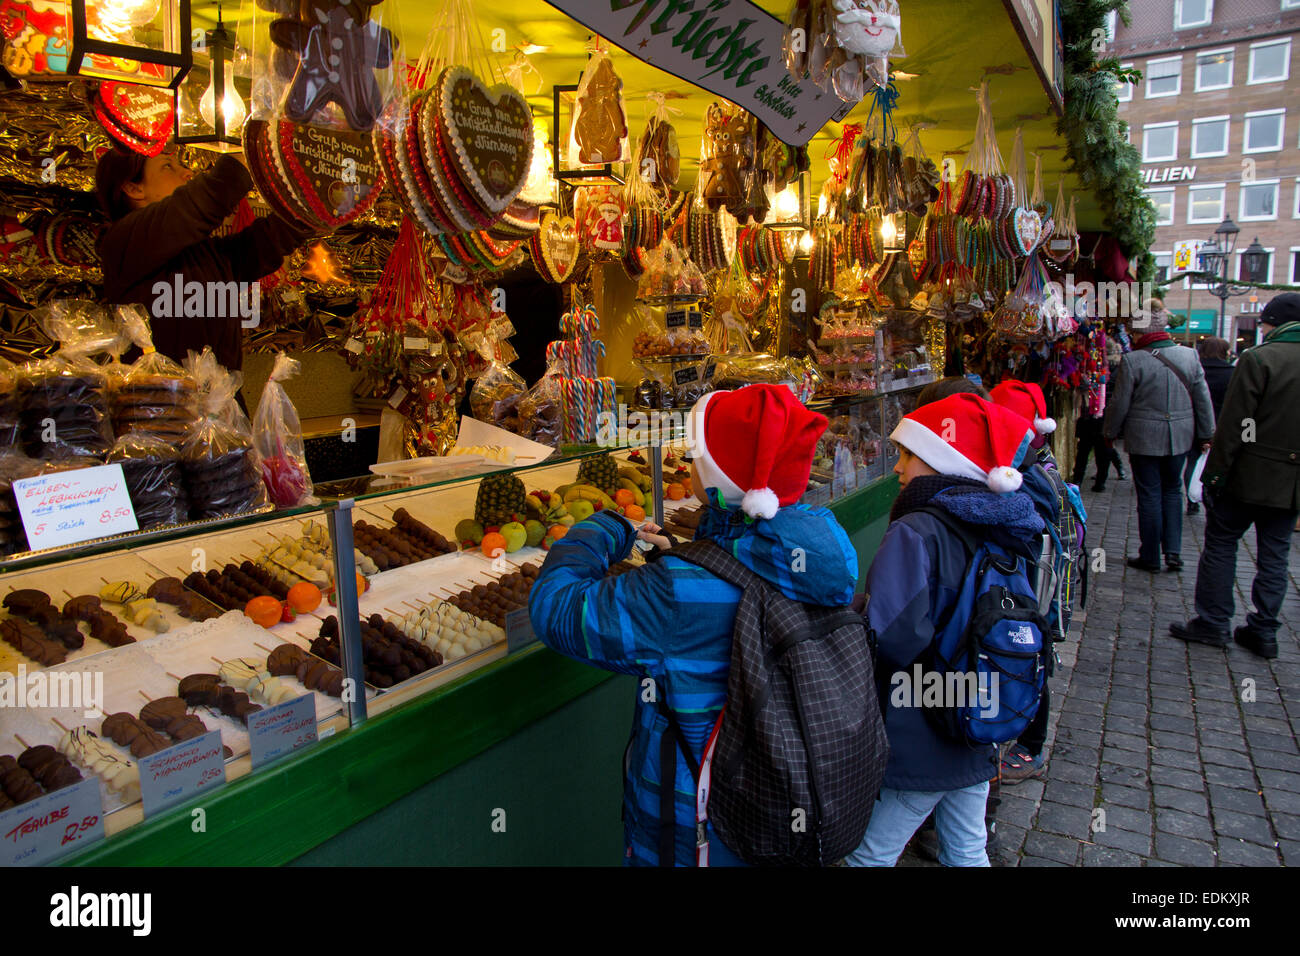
(965, 436)
(1026, 400)
(755, 445)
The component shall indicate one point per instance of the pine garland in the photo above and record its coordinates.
(1107, 165)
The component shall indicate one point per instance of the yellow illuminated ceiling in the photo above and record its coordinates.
(950, 48)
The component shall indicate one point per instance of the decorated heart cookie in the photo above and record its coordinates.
(555, 247)
(489, 136)
(1028, 229)
(145, 112)
(335, 172)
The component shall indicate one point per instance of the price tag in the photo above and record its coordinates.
(282, 729)
(412, 343)
(354, 346)
(174, 775)
(399, 396)
(436, 348)
(52, 826)
(519, 630)
(290, 296)
(73, 506)
(694, 319)
(684, 376)
(675, 319)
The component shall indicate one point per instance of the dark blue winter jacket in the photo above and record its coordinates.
(671, 622)
(913, 581)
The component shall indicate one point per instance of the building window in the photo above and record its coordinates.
(1295, 253)
(1291, 4)
(1124, 91)
(1164, 77)
(1112, 20)
(1192, 13)
(1263, 132)
(1205, 203)
(1241, 268)
(1159, 142)
(1258, 201)
(1270, 62)
(1295, 213)
(1210, 137)
(1214, 70)
(1164, 262)
(1164, 203)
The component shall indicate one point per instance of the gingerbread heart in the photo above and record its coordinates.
(556, 246)
(490, 136)
(1029, 229)
(143, 111)
(334, 172)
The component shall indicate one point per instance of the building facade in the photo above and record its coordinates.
(1216, 117)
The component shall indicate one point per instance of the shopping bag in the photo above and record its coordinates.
(1194, 487)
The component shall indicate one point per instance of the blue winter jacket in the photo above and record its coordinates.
(671, 622)
(912, 583)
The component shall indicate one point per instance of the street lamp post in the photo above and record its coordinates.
(1215, 258)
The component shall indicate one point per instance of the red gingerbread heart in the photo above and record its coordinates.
(489, 136)
(145, 112)
(334, 172)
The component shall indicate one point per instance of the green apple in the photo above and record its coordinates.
(515, 536)
(536, 532)
(470, 531)
(582, 509)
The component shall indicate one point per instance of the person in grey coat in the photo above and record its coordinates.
(1161, 406)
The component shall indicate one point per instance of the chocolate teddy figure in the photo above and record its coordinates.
(339, 47)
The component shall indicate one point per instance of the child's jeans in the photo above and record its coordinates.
(958, 818)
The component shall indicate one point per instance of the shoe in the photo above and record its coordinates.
(1142, 565)
(1018, 765)
(1120, 473)
(991, 844)
(1099, 488)
(1255, 642)
(1174, 562)
(1196, 633)
(1193, 507)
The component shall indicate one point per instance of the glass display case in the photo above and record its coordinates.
(172, 634)
(855, 449)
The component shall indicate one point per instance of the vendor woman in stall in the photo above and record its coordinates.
(163, 216)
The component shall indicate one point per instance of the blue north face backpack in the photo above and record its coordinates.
(990, 652)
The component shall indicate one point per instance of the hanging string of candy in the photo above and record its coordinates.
(576, 361)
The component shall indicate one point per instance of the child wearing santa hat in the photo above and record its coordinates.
(670, 622)
(960, 454)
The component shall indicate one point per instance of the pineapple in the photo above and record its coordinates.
(601, 472)
(500, 499)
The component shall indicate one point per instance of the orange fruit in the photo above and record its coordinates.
(634, 512)
(264, 610)
(363, 583)
(624, 496)
(557, 531)
(304, 597)
(676, 492)
(494, 544)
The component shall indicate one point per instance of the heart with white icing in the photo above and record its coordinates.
(335, 173)
(556, 245)
(1029, 228)
(490, 133)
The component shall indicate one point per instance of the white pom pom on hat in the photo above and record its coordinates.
(1004, 479)
(760, 503)
(1044, 426)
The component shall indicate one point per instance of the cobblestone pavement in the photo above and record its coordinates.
(1162, 736)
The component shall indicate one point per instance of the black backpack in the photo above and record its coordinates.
(801, 746)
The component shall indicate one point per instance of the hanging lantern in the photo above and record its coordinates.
(214, 119)
(789, 208)
(137, 41)
(541, 187)
(893, 232)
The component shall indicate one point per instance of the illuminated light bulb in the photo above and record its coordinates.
(232, 107)
(888, 231)
(821, 205)
(540, 187)
(806, 243)
(136, 13)
(785, 205)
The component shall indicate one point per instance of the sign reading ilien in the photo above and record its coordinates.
(729, 47)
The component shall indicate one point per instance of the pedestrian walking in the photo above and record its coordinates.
(1218, 371)
(1252, 477)
(1161, 406)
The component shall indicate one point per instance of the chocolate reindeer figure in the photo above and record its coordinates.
(339, 47)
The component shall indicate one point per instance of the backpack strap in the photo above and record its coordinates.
(958, 528)
(713, 558)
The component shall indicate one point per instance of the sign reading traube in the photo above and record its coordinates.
(729, 47)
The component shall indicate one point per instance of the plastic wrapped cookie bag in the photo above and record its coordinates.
(151, 465)
(153, 395)
(277, 438)
(496, 393)
(222, 470)
(598, 133)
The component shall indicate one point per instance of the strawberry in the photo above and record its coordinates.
(288, 615)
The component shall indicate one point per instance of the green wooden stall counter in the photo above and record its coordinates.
(516, 764)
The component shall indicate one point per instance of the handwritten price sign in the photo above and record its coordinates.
(73, 506)
(52, 826)
(282, 729)
(176, 774)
